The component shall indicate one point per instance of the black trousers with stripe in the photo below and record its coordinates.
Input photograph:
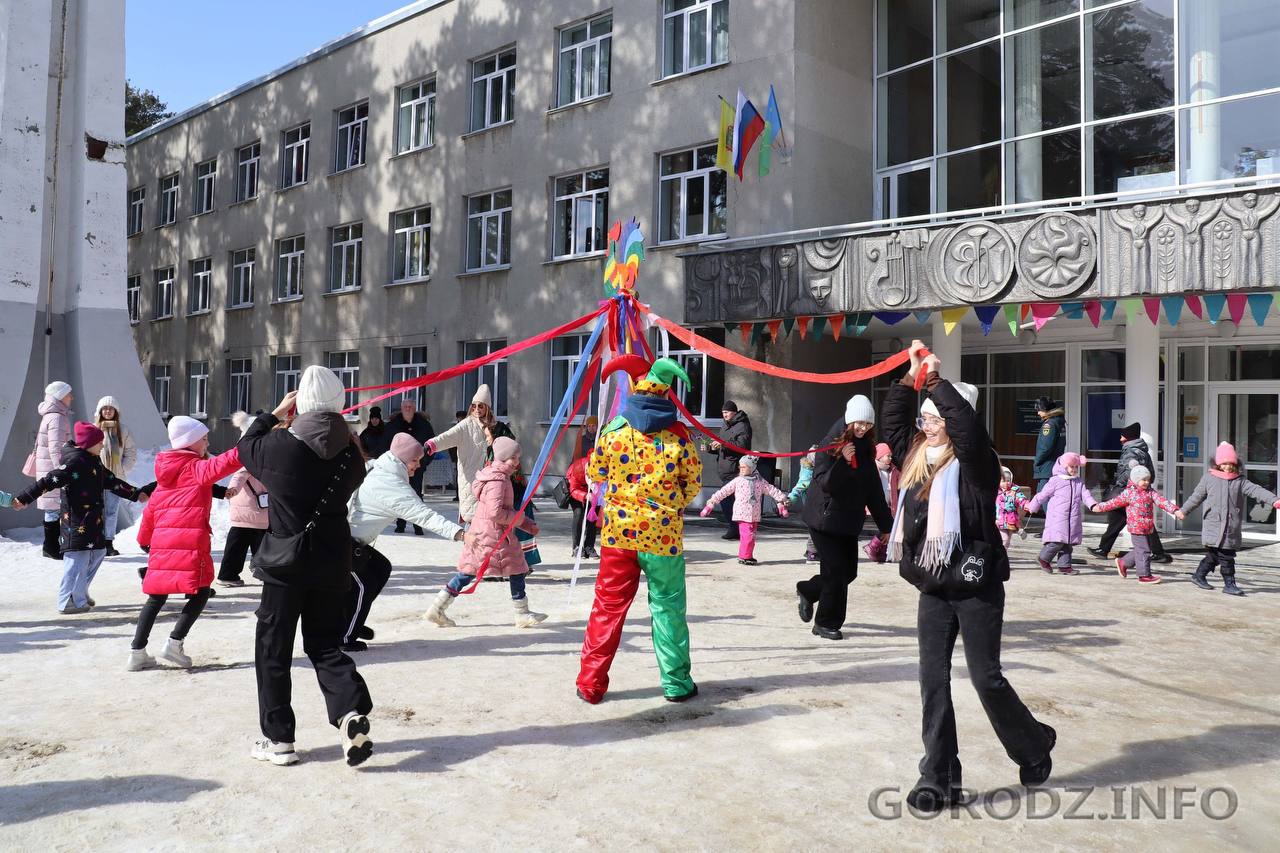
(370, 571)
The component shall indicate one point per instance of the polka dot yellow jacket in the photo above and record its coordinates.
(648, 480)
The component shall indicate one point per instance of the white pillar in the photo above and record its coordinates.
(1203, 62)
(946, 347)
(1142, 377)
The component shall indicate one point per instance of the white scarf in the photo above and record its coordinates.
(942, 535)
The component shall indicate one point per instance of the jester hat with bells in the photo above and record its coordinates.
(648, 409)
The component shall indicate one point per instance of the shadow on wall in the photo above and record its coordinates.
(22, 803)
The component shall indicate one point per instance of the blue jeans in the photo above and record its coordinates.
(78, 569)
(50, 515)
(462, 580)
(110, 513)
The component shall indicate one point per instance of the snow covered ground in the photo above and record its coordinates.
(481, 744)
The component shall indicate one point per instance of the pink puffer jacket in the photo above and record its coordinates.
(748, 496)
(54, 432)
(494, 510)
(244, 507)
(175, 524)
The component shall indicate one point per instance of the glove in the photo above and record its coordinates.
(706, 511)
(782, 511)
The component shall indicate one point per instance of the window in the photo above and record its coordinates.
(345, 257)
(584, 60)
(416, 117)
(493, 374)
(695, 34)
(353, 129)
(408, 363)
(242, 263)
(493, 87)
(347, 366)
(296, 156)
(581, 213)
(411, 244)
(290, 253)
(168, 200)
(162, 306)
(132, 290)
(201, 285)
(206, 175)
(160, 387)
(239, 385)
(198, 389)
(137, 199)
(247, 159)
(705, 393)
(692, 195)
(489, 230)
(287, 369)
(566, 352)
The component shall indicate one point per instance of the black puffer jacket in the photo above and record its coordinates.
(82, 478)
(1132, 453)
(979, 474)
(298, 466)
(736, 430)
(840, 495)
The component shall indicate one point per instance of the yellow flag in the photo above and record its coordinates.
(724, 145)
(950, 317)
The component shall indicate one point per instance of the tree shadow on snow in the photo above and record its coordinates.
(22, 803)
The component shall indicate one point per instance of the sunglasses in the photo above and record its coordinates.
(928, 420)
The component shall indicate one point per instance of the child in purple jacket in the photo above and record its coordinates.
(1065, 497)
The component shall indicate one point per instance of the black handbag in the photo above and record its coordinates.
(287, 558)
(560, 493)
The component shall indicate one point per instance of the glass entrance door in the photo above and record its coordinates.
(1251, 422)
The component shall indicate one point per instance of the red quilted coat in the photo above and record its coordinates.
(175, 524)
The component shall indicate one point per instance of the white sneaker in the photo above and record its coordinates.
(172, 652)
(139, 660)
(279, 754)
(356, 746)
(436, 612)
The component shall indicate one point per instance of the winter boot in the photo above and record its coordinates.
(51, 548)
(172, 652)
(526, 618)
(1201, 575)
(435, 613)
(111, 549)
(139, 659)
(1229, 585)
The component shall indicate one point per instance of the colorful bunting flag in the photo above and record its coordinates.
(1108, 309)
(1026, 309)
(1130, 310)
(724, 143)
(819, 326)
(889, 318)
(1093, 308)
(1011, 312)
(1152, 306)
(1042, 313)
(1259, 305)
(1194, 306)
(986, 316)
(788, 324)
(802, 323)
(1236, 303)
(1172, 309)
(1072, 310)
(1213, 304)
(837, 325)
(745, 329)
(952, 316)
(773, 326)
(921, 316)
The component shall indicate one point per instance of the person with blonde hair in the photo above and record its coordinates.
(119, 453)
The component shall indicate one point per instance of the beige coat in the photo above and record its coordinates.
(467, 435)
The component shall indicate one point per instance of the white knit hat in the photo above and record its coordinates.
(320, 390)
(859, 408)
(1006, 474)
(57, 389)
(964, 389)
(749, 462)
(185, 431)
(1139, 472)
(482, 395)
(104, 403)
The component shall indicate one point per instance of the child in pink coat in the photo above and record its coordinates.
(748, 490)
(1139, 501)
(1011, 507)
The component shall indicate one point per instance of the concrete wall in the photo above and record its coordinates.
(626, 131)
(59, 206)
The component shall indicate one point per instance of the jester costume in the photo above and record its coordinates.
(650, 472)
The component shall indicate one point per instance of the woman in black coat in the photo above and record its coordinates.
(845, 486)
(959, 593)
(310, 470)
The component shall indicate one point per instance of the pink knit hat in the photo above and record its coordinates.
(883, 450)
(1070, 458)
(406, 448)
(505, 448)
(1225, 455)
(87, 435)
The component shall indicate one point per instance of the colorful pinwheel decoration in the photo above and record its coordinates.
(626, 251)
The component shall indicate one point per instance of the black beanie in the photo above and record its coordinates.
(1131, 432)
(375, 412)
(729, 406)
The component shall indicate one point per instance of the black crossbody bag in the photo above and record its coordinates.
(287, 558)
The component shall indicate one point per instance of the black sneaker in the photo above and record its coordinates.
(355, 646)
(1164, 559)
(232, 582)
(931, 800)
(364, 632)
(806, 608)
(731, 535)
(1098, 552)
(417, 531)
(685, 697)
(827, 633)
(1036, 774)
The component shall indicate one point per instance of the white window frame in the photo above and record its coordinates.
(595, 84)
(408, 362)
(352, 137)
(704, 8)
(291, 255)
(494, 374)
(160, 379)
(697, 173)
(577, 202)
(206, 185)
(200, 295)
(416, 108)
(346, 364)
(483, 216)
(286, 371)
(295, 156)
(198, 389)
(567, 362)
(168, 213)
(132, 295)
(163, 293)
(137, 206)
(239, 385)
(346, 244)
(410, 242)
(248, 170)
(240, 289)
(503, 78)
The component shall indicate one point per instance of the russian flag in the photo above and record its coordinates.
(748, 125)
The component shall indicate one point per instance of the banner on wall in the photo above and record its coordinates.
(1028, 422)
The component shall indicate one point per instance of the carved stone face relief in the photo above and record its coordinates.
(975, 264)
(1057, 255)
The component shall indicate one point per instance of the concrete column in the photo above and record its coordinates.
(1028, 105)
(1204, 71)
(946, 347)
(1142, 376)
